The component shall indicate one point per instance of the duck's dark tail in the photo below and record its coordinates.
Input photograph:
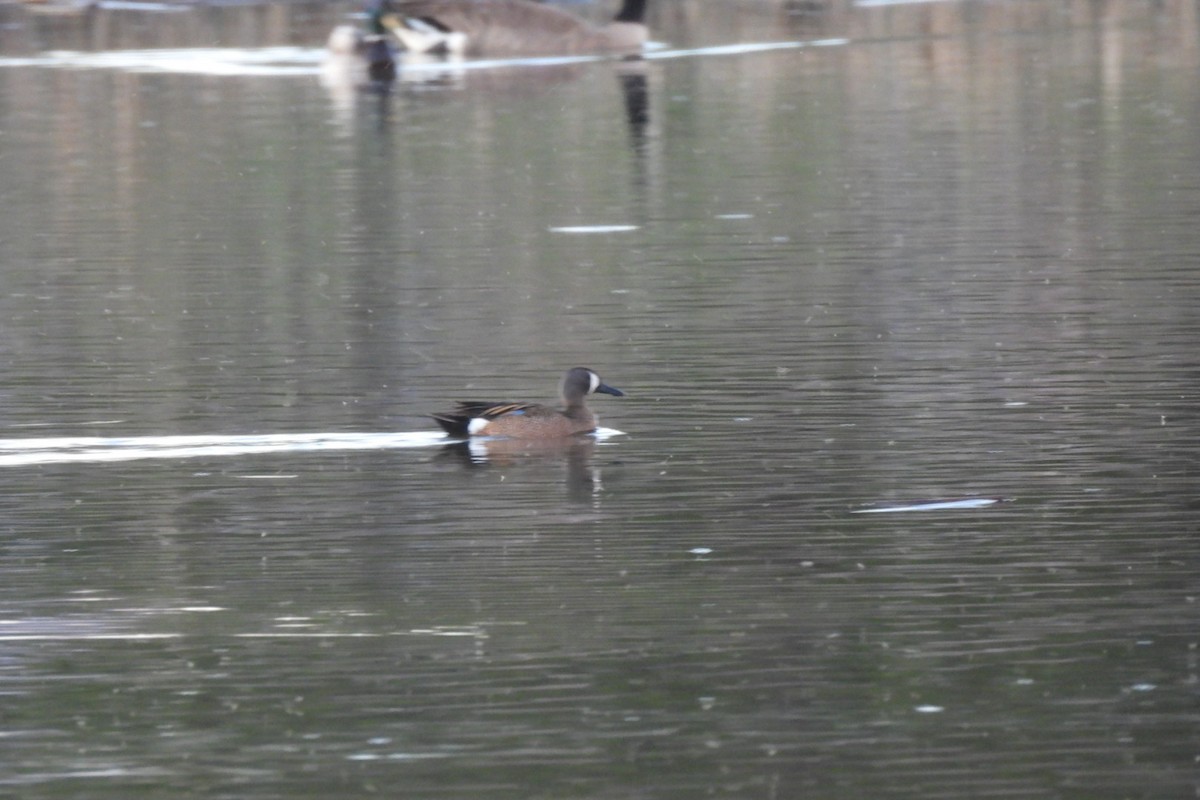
(453, 424)
(457, 422)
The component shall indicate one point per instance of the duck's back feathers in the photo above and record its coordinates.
(459, 421)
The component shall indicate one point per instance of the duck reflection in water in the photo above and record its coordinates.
(532, 458)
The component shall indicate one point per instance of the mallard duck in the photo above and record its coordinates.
(376, 44)
(514, 28)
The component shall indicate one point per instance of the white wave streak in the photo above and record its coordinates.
(935, 505)
(68, 449)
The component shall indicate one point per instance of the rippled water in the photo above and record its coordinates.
(940, 270)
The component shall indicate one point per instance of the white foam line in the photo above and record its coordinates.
(305, 61)
(973, 502)
(193, 60)
(742, 49)
(878, 3)
(593, 228)
(127, 5)
(73, 637)
(306, 635)
(75, 449)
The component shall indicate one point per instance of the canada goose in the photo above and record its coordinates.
(514, 28)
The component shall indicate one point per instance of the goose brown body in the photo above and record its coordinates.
(514, 28)
(531, 420)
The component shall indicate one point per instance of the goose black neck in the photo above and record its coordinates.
(631, 11)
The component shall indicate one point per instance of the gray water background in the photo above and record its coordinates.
(953, 252)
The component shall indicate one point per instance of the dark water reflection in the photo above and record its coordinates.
(961, 263)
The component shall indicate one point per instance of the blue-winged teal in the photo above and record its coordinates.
(514, 28)
(530, 420)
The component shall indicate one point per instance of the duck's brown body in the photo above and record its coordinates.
(531, 420)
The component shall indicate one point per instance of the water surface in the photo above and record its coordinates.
(946, 257)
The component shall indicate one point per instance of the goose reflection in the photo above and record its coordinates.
(635, 90)
(424, 79)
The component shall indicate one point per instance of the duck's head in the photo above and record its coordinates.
(382, 17)
(580, 382)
